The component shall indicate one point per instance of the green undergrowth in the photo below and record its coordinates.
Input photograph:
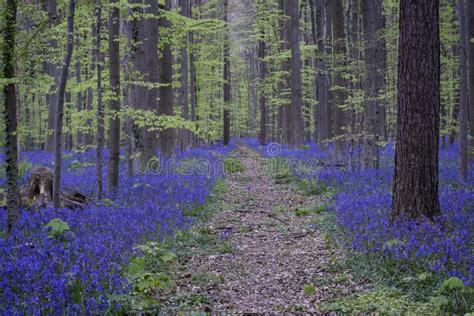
(395, 289)
(156, 268)
(281, 172)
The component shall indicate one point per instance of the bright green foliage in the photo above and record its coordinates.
(233, 165)
(57, 228)
(309, 289)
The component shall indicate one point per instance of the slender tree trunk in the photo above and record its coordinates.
(88, 135)
(114, 78)
(463, 102)
(295, 62)
(328, 21)
(193, 94)
(262, 97)
(415, 190)
(322, 78)
(10, 116)
(226, 77)
(60, 107)
(339, 50)
(100, 110)
(79, 96)
(470, 21)
(184, 96)
(168, 135)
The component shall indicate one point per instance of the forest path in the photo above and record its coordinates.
(270, 254)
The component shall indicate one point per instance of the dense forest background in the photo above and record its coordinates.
(225, 67)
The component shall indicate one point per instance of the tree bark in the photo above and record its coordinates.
(339, 50)
(463, 100)
(226, 77)
(167, 136)
(296, 132)
(144, 57)
(374, 80)
(79, 96)
(470, 21)
(184, 96)
(10, 116)
(322, 78)
(415, 190)
(262, 97)
(114, 79)
(52, 70)
(60, 106)
(100, 110)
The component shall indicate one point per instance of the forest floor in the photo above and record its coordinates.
(271, 255)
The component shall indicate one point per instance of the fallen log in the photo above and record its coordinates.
(38, 193)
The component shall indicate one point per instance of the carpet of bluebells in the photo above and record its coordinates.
(83, 269)
(361, 207)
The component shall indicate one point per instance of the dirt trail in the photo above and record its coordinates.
(272, 253)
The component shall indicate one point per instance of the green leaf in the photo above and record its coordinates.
(439, 300)
(424, 277)
(136, 266)
(168, 257)
(450, 285)
(58, 227)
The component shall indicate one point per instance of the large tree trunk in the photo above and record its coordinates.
(144, 57)
(60, 107)
(114, 78)
(339, 50)
(167, 136)
(470, 21)
(52, 70)
(226, 77)
(415, 190)
(292, 10)
(184, 96)
(463, 101)
(374, 80)
(10, 116)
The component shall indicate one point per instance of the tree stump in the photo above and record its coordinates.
(38, 193)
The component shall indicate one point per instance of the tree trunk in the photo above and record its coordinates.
(470, 21)
(52, 70)
(60, 107)
(79, 96)
(374, 80)
(193, 94)
(292, 7)
(100, 110)
(144, 57)
(463, 102)
(322, 78)
(167, 136)
(10, 116)
(339, 50)
(184, 96)
(226, 77)
(262, 98)
(415, 190)
(114, 78)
